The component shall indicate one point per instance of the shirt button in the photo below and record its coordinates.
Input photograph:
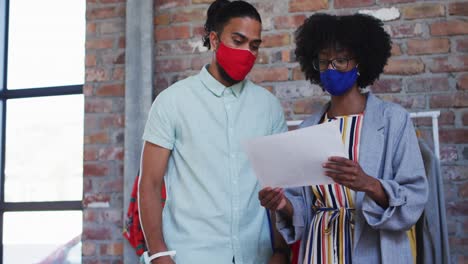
(233, 155)
(228, 106)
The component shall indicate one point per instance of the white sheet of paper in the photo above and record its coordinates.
(295, 158)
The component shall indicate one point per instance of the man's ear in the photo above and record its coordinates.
(214, 40)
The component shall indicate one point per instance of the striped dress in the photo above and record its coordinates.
(330, 238)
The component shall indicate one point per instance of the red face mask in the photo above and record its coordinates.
(237, 63)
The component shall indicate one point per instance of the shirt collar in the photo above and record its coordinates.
(216, 87)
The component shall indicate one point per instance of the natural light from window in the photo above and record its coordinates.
(46, 43)
(44, 135)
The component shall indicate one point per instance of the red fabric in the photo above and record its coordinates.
(134, 234)
(295, 252)
(237, 63)
(132, 231)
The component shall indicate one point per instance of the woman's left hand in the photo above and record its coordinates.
(348, 173)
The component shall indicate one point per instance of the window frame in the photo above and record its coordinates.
(5, 95)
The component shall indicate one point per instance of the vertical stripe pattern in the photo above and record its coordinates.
(330, 238)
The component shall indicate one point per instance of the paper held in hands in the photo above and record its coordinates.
(295, 158)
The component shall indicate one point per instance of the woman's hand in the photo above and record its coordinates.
(272, 198)
(350, 174)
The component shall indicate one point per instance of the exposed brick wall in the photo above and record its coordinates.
(104, 132)
(428, 70)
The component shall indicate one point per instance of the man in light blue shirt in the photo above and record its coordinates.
(193, 140)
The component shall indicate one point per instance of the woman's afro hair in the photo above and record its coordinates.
(362, 35)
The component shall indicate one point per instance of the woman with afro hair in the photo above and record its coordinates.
(380, 189)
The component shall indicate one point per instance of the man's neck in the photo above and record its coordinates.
(214, 71)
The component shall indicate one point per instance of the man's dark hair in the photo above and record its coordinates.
(221, 11)
(362, 35)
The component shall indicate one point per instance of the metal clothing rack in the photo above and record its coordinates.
(435, 126)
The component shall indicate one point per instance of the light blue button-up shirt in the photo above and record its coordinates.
(212, 213)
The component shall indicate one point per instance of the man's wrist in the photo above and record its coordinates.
(157, 246)
(149, 258)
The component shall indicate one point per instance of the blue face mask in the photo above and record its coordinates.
(338, 83)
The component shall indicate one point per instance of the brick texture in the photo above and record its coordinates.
(404, 66)
(289, 22)
(276, 40)
(423, 11)
(450, 27)
(462, 82)
(353, 3)
(428, 70)
(458, 9)
(405, 30)
(305, 5)
(104, 123)
(431, 46)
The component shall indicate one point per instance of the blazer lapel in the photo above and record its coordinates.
(314, 119)
(370, 151)
(371, 147)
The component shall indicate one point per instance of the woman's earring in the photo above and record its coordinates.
(358, 74)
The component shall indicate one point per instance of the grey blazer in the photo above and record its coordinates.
(388, 151)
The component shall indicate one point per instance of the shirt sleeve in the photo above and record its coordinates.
(160, 129)
(278, 120)
(407, 190)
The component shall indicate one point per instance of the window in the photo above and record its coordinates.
(42, 55)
